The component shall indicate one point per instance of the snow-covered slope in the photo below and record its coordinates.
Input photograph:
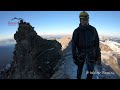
(110, 50)
(113, 45)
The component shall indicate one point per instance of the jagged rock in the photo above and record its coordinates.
(34, 57)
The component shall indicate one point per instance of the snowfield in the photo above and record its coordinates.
(110, 66)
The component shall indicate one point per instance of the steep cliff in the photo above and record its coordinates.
(34, 57)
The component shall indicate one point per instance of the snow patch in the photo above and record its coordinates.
(113, 45)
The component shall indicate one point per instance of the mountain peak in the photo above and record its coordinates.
(34, 57)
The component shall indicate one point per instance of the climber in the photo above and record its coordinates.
(85, 43)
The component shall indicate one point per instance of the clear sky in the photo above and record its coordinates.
(60, 22)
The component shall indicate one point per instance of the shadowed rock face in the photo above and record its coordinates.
(34, 57)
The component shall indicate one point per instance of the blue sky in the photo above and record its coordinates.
(60, 22)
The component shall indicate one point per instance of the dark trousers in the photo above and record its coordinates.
(90, 68)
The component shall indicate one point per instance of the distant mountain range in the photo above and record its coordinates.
(7, 42)
(110, 55)
(110, 49)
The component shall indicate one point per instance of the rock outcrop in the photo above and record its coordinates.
(64, 42)
(105, 47)
(34, 57)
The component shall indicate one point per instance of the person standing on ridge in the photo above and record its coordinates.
(85, 46)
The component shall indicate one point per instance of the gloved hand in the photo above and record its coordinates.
(98, 61)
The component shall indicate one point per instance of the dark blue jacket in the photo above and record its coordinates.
(85, 37)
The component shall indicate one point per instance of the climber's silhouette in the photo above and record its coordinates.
(85, 46)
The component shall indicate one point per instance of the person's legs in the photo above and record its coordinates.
(79, 70)
(90, 67)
